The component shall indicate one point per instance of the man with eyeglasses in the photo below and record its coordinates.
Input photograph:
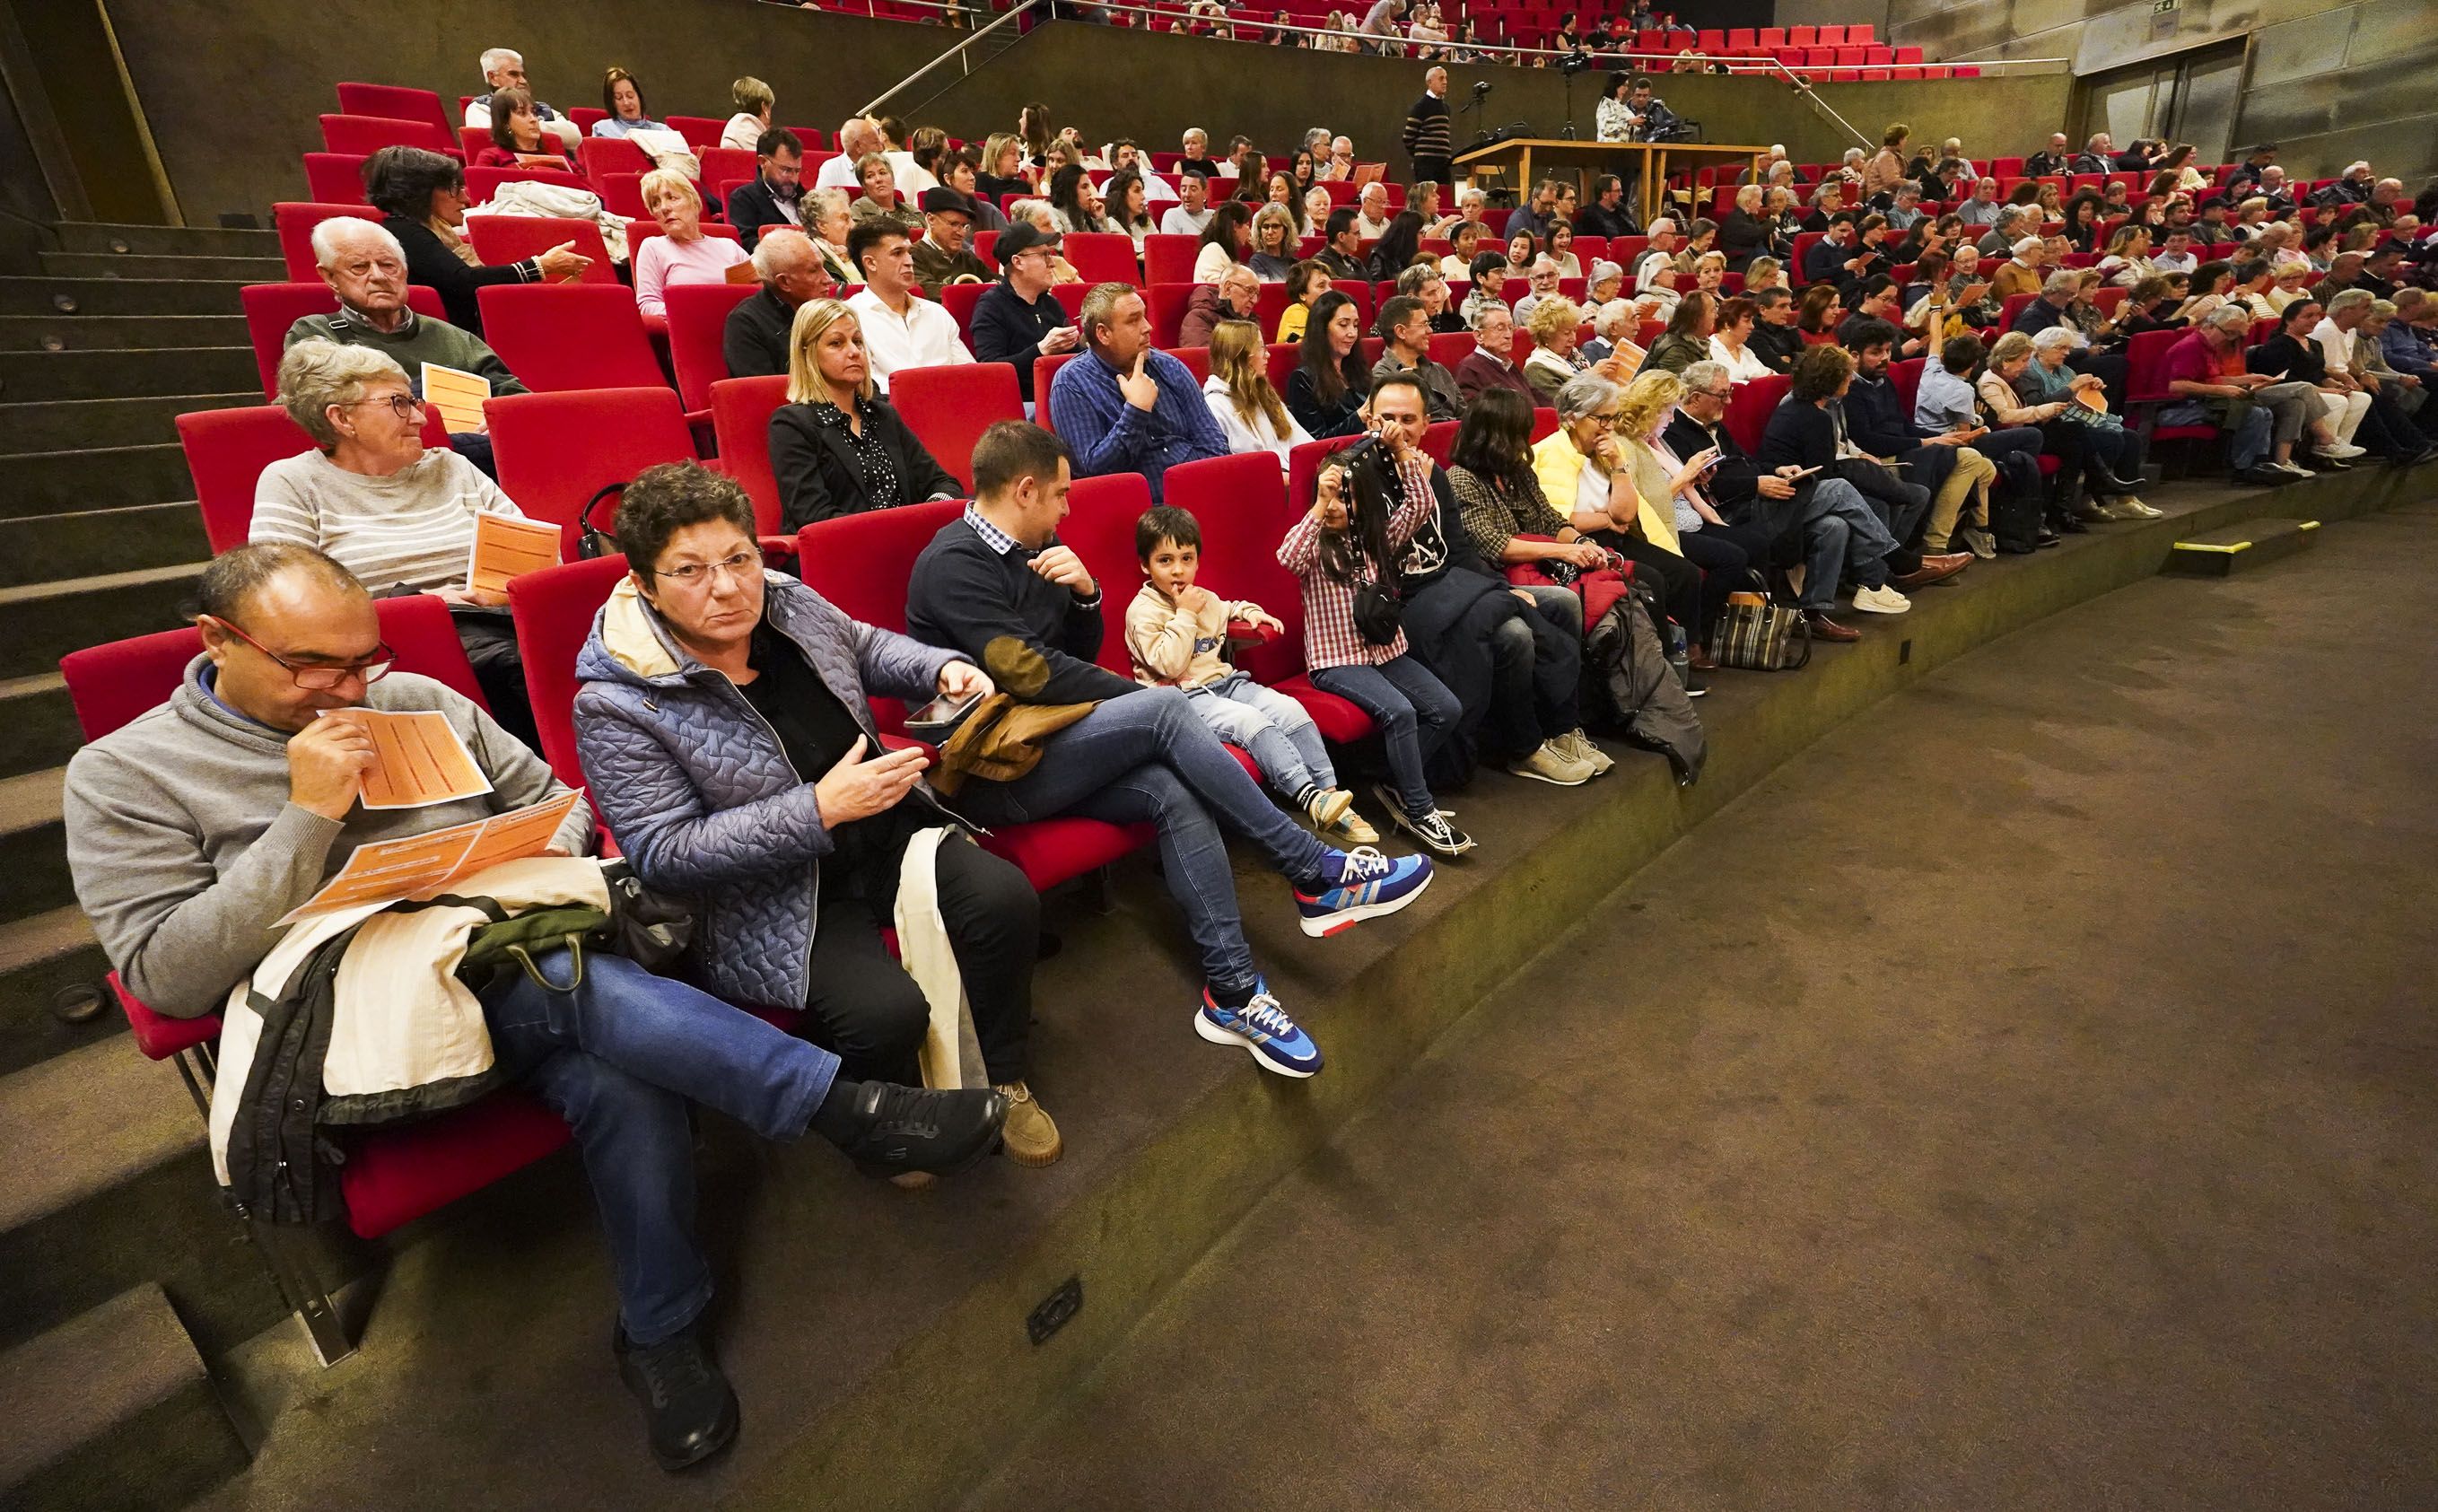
(196, 827)
(1016, 320)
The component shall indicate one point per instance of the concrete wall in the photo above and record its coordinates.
(2328, 82)
(278, 58)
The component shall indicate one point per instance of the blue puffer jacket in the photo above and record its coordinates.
(693, 782)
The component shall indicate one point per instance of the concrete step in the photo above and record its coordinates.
(41, 623)
(33, 378)
(42, 958)
(118, 333)
(70, 424)
(2240, 547)
(33, 847)
(38, 724)
(113, 1409)
(254, 269)
(59, 483)
(59, 294)
(44, 548)
(224, 242)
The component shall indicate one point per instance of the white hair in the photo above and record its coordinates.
(1663, 223)
(316, 373)
(777, 255)
(328, 234)
(1704, 374)
(2028, 245)
(498, 57)
(1616, 318)
(2065, 336)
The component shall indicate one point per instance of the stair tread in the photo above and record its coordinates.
(84, 1121)
(97, 1371)
(32, 686)
(31, 799)
(156, 447)
(105, 509)
(44, 937)
(255, 394)
(69, 587)
(2245, 533)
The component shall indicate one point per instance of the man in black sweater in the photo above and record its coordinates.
(997, 585)
(1015, 320)
(1426, 134)
(1877, 420)
(754, 342)
(1774, 337)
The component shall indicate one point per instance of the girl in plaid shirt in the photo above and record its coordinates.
(1361, 520)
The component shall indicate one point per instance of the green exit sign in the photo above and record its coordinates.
(2160, 8)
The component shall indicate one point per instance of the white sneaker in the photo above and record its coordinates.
(2294, 467)
(1881, 601)
(1547, 764)
(2342, 451)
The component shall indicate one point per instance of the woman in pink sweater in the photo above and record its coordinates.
(681, 253)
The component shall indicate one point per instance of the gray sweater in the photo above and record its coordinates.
(185, 847)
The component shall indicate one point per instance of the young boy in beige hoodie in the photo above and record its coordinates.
(1175, 634)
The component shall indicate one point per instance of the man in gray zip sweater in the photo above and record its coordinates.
(199, 824)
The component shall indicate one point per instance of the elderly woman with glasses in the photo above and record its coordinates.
(725, 729)
(1587, 475)
(398, 514)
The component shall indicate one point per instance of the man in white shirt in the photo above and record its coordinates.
(1661, 249)
(1189, 218)
(1124, 155)
(1373, 219)
(2175, 254)
(855, 138)
(901, 329)
(504, 68)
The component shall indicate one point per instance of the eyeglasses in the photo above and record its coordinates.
(319, 679)
(405, 406)
(1726, 393)
(744, 567)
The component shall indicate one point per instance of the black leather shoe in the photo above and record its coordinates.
(2266, 477)
(689, 1412)
(916, 1129)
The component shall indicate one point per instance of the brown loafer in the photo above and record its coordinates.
(1825, 629)
(1933, 569)
(1699, 660)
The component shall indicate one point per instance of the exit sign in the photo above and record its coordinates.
(2160, 8)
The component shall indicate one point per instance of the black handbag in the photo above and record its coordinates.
(1378, 612)
(596, 541)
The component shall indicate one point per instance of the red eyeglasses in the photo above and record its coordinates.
(318, 678)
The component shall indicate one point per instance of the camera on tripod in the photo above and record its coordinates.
(1574, 63)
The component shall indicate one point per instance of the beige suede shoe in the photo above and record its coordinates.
(1029, 1137)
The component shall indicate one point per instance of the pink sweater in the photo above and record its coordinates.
(663, 260)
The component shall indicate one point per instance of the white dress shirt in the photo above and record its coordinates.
(925, 335)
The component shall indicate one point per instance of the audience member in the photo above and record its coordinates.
(1331, 380)
(1250, 413)
(901, 329)
(757, 338)
(1191, 214)
(1945, 403)
(1406, 329)
(504, 68)
(2261, 417)
(518, 136)
(1490, 363)
(422, 199)
(754, 101)
(1687, 339)
(624, 99)
(2111, 453)
(1879, 422)
(365, 265)
(1125, 406)
(1777, 339)
(681, 253)
(1553, 326)
(837, 446)
(1804, 432)
(941, 257)
(774, 196)
(1016, 320)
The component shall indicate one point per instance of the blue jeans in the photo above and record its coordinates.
(1273, 727)
(1415, 712)
(619, 1058)
(1842, 536)
(1147, 756)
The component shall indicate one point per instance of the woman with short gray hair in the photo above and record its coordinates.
(1583, 470)
(396, 513)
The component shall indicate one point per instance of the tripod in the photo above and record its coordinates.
(1568, 131)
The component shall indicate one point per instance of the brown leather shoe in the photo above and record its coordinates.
(1699, 660)
(1933, 569)
(1825, 629)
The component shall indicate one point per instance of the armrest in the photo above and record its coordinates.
(158, 1035)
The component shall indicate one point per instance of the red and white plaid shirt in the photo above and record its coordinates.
(1330, 639)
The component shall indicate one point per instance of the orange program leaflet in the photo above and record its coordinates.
(421, 760)
(457, 395)
(507, 548)
(387, 871)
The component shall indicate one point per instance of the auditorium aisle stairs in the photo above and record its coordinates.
(119, 1272)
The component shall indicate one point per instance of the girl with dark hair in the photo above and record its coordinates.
(1225, 241)
(2082, 215)
(1512, 522)
(1073, 201)
(516, 134)
(421, 196)
(1129, 206)
(1397, 251)
(1331, 380)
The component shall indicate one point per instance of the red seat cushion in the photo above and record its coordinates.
(395, 1176)
(1050, 852)
(1339, 722)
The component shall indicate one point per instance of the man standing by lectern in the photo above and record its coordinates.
(1427, 135)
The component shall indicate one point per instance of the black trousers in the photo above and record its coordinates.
(871, 1012)
(1677, 581)
(1728, 556)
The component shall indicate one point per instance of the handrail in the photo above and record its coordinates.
(1020, 7)
(1803, 87)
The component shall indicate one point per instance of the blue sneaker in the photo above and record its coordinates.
(1358, 885)
(1263, 1028)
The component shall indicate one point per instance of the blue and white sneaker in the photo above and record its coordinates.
(1263, 1028)
(1358, 885)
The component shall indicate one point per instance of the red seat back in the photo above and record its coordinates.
(697, 319)
(1099, 528)
(500, 238)
(2146, 356)
(597, 155)
(949, 408)
(1169, 303)
(1045, 372)
(560, 337)
(395, 102)
(227, 449)
(335, 178)
(553, 610)
(1749, 410)
(295, 220)
(699, 131)
(2010, 308)
(721, 163)
(1240, 503)
(272, 309)
(1170, 259)
(1102, 257)
(959, 301)
(740, 422)
(556, 451)
(862, 563)
(370, 134)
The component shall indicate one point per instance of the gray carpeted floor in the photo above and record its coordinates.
(2025, 1099)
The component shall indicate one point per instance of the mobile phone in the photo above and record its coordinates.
(939, 717)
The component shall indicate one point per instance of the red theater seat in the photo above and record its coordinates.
(272, 309)
(560, 336)
(295, 220)
(227, 449)
(553, 610)
(556, 451)
(698, 315)
(393, 102)
(1749, 410)
(740, 418)
(370, 134)
(949, 408)
(503, 239)
(335, 178)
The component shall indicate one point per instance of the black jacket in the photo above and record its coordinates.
(2042, 166)
(819, 480)
(1876, 418)
(1778, 346)
(751, 206)
(1735, 483)
(1006, 329)
(754, 342)
(1339, 265)
(963, 596)
(1320, 421)
(1591, 221)
(430, 263)
(1799, 433)
(1824, 261)
(2299, 360)
(1742, 238)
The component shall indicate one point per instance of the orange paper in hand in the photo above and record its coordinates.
(421, 760)
(507, 548)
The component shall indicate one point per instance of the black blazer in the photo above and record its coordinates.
(429, 262)
(1742, 238)
(819, 480)
(751, 206)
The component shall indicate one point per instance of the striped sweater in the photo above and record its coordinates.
(412, 529)
(1427, 135)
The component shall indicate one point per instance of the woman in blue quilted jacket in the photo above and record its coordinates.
(727, 741)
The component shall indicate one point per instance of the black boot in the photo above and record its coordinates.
(892, 1128)
(689, 1412)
